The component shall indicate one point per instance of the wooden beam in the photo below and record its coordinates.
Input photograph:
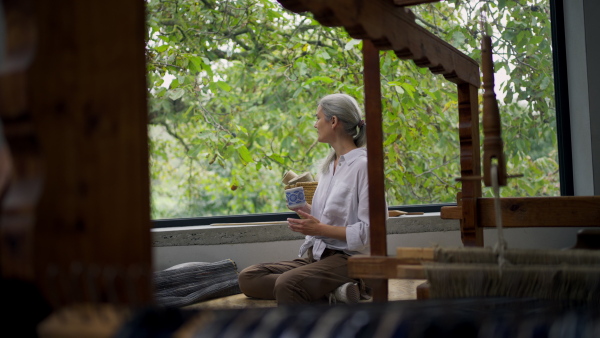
(391, 27)
(563, 211)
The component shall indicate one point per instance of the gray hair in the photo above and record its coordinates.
(346, 109)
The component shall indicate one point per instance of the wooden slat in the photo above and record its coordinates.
(468, 112)
(392, 27)
(375, 149)
(418, 254)
(375, 267)
(564, 211)
(411, 272)
(377, 204)
(451, 212)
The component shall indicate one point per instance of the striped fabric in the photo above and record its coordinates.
(190, 283)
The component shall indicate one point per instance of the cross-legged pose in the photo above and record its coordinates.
(336, 225)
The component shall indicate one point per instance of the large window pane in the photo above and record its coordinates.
(233, 89)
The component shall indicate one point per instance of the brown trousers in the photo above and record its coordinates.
(300, 281)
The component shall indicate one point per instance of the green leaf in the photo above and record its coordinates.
(175, 94)
(458, 37)
(391, 138)
(195, 64)
(223, 85)
(324, 79)
(536, 40)
(350, 44)
(245, 154)
(193, 152)
(410, 90)
(161, 48)
(501, 4)
(545, 82)
(324, 55)
(277, 158)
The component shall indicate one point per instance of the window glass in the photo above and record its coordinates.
(233, 88)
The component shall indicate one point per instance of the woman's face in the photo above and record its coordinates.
(324, 129)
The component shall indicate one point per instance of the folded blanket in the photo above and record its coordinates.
(189, 283)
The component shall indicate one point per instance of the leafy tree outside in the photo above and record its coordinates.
(233, 87)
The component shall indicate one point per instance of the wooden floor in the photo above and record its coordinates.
(399, 289)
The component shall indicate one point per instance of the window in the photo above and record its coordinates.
(233, 89)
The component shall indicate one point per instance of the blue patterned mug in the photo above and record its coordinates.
(295, 197)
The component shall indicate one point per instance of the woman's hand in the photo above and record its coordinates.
(308, 225)
(311, 226)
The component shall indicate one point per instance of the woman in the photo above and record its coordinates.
(336, 225)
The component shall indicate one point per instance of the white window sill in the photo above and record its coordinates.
(278, 231)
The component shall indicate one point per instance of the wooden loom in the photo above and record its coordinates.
(75, 203)
(386, 25)
(571, 275)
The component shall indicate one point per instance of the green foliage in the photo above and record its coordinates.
(233, 88)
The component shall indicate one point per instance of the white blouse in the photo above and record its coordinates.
(342, 199)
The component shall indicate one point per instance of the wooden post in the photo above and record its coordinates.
(493, 146)
(87, 87)
(378, 233)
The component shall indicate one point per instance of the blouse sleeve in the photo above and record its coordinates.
(357, 234)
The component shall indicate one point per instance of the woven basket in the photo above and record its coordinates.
(309, 189)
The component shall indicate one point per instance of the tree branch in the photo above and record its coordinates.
(175, 135)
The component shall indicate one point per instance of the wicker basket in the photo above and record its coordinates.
(309, 189)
